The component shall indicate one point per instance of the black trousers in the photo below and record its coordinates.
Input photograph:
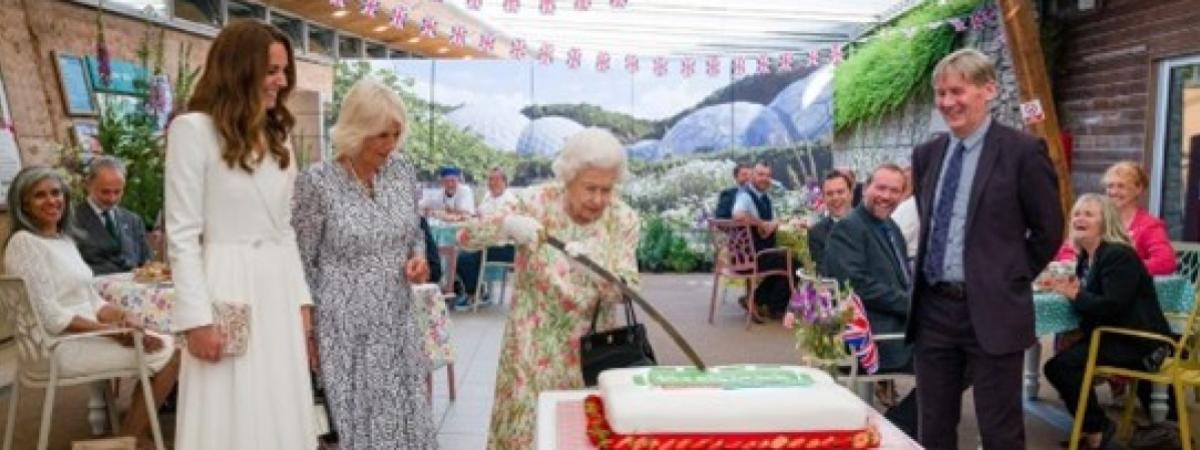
(948, 358)
(773, 291)
(470, 263)
(1066, 369)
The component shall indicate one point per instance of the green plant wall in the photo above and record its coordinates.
(883, 73)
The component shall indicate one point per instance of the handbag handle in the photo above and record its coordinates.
(630, 316)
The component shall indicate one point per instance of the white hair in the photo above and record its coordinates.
(369, 108)
(591, 148)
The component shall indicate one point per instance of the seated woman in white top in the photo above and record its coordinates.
(497, 198)
(42, 253)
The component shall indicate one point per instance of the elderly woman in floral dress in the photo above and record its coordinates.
(554, 297)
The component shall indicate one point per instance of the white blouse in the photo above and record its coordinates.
(58, 280)
(493, 203)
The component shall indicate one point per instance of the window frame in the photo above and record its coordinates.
(1162, 96)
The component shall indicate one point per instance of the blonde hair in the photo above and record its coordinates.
(592, 147)
(1112, 230)
(369, 108)
(975, 66)
(1129, 171)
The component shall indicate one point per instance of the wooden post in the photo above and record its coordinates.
(1025, 47)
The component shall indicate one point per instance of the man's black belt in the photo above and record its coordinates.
(954, 290)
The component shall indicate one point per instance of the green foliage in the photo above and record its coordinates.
(627, 128)
(882, 74)
(185, 77)
(432, 142)
(662, 249)
(134, 139)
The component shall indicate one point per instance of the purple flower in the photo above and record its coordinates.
(103, 59)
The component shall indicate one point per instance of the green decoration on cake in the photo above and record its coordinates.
(725, 377)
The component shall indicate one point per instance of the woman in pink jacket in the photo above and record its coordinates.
(1124, 184)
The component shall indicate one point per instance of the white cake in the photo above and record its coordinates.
(728, 399)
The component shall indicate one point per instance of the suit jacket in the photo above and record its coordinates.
(725, 203)
(1118, 291)
(100, 251)
(1013, 228)
(858, 254)
(818, 237)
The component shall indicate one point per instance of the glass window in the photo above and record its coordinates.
(349, 47)
(292, 27)
(245, 10)
(376, 50)
(156, 8)
(1178, 148)
(320, 40)
(207, 12)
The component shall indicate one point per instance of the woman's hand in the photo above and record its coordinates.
(111, 314)
(521, 229)
(417, 269)
(1066, 286)
(205, 343)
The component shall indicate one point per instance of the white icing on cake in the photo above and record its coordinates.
(728, 399)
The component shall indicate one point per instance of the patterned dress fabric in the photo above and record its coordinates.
(354, 247)
(552, 302)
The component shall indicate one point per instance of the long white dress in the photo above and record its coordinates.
(230, 239)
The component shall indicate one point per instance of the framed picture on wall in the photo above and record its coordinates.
(73, 81)
(84, 132)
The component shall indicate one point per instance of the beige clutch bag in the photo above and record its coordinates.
(233, 320)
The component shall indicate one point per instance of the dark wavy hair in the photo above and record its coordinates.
(230, 91)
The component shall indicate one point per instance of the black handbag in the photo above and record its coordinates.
(619, 347)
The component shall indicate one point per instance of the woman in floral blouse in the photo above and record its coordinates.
(554, 297)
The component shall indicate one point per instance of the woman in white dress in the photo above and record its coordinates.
(229, 176)
(42, 253)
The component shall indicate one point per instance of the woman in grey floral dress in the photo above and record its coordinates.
(360, 240)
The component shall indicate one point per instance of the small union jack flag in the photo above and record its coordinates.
(487, 42)
(574, 58)
(603, 62)
(858, 336)
(399, 16)
(512, 6)
(763, 63)
(631, 63)
(786, 60)
(429, 26)
(458, 36)
(618, 3)
(835, 55)
(687, 67)
(519, 49)
(545, 54)
(814, 57)
(660, 66)
(583, 5)
(474, 5)
(739, 66)
(370, 7)
(546, 6)
(712, 66)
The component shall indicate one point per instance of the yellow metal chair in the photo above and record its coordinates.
(1180, 370)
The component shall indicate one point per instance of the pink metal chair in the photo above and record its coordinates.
(736, 258)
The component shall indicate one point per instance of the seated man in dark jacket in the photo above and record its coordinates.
(835, 192)
(114, 238)
(741, 174)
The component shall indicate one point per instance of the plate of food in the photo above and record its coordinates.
(154, 272)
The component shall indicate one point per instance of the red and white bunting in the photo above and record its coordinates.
(786, 61)
(458, 36)
(618, 3)
(763, 63)
(814, 58)
(545, 54)
(583, 5)
(369, 7)
(835, 54)
(487, 42)
(574, 58)
(512, 6)
(474, 5)
(687, 67)
(660, 66)
(712, 66)
(338, 4)
(631, 63)
(429, 26)
(399, 16)
(519, 49)
(603, 62)
(547, 6)
(738, 66)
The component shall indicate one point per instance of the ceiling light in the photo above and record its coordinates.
(468, 57)
(340, 13)
(414, 39)
(442, 50)
(381, 28)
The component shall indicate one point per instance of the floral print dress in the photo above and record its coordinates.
(552, 303)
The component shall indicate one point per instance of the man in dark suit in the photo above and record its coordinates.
(742, 173)
(835, 192)
(866, 251)
(990, 222)
(114, 238)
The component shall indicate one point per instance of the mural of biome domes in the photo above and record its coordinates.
(545, 136)
(644, 150)
(498, 128)
(723, 126)
(807, 106)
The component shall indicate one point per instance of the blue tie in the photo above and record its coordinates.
(935, 258)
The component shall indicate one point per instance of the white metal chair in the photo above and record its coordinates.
(37, 365)
(487, 276)
(863, 385)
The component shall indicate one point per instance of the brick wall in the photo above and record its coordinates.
(1105, 81)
